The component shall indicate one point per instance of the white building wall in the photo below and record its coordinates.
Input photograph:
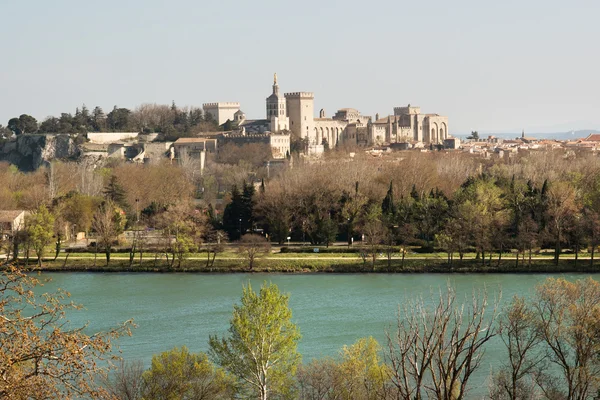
(110, 137)
(301, 108)
(221, 112)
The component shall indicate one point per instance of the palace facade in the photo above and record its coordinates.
(294, 113)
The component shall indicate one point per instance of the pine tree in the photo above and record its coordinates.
(115, 192)
(388, 207)
(232, 215)
(248, 203)
(414, 194)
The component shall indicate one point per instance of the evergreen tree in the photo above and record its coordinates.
(248, 203)
(98, 119)
(232, 215)
(388, 207)
(414, 194)
(115, 192)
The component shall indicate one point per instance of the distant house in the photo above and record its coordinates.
(452, 143)
(11, 221)
(593, 137)
(194, 146)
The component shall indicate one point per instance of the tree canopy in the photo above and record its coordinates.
(261, 349)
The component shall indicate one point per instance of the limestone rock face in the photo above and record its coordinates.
(29, 152)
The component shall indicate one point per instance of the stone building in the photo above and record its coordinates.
(194, 146)
(279, 142)
(221, 112)
(11, 221)
(349, 126)
(346, 126)
(409, 125)
(294, 113)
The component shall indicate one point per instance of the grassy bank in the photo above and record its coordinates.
(308, 265)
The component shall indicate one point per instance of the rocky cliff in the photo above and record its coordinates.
(29, 152)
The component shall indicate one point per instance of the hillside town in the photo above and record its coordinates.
(289, 126)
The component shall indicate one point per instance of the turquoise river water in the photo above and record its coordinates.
(331, 310)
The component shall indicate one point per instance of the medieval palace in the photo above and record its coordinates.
(294, 113)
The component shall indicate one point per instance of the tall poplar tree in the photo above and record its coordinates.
(261, 350)
(388, 207)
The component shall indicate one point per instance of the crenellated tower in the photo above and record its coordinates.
(300, 106)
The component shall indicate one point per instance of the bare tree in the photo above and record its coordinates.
(519, 333)
(108, 222)
(126, 382)
(42, 355)
(253, 246)
(568, 320)
(215, 244)
(434, 351)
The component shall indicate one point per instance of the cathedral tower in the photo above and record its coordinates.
(276, 109)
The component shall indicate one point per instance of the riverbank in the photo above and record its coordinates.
(318, 265)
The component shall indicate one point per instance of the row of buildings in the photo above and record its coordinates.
(294, 114)
(287, 116)
(508, 147)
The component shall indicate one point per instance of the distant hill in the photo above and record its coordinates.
(553, 136)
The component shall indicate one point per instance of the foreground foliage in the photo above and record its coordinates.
(552, 340)
(261, 350)
(41, 356)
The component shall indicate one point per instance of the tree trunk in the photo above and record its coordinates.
(592, 255)
(66, 258)
(172, 260)
(107, 253)
(263, 392)
(517, 259)
(557, 250)
(500, 257)
(131, 256)
(58, 246)
(403, 255)
(207, 258)
(576, 254)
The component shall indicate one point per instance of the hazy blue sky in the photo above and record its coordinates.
(487, 65)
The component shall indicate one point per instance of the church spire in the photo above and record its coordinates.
(275, 85)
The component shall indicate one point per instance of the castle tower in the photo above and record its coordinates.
(221, 112)
(276, 109)
(300, 107)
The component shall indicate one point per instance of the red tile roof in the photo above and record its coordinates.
(594, 137)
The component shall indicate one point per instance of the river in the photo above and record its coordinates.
(331, 310)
